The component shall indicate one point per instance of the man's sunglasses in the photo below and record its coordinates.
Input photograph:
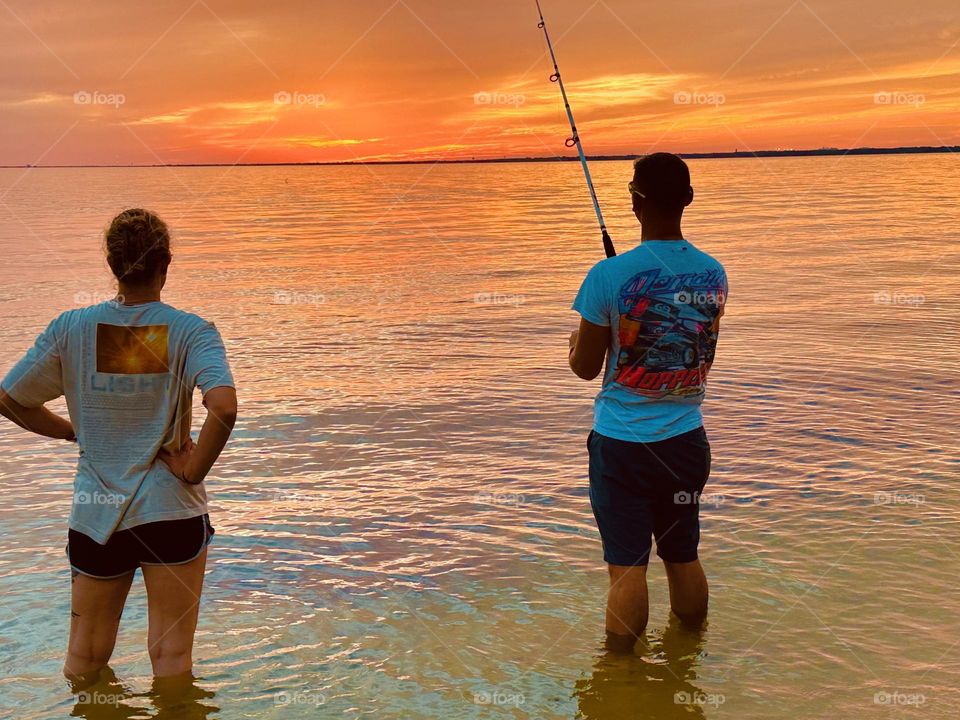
(632, 187)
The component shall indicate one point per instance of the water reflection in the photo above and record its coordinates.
(181, 698)
(656, 682)
(414, 441)
(103, 696)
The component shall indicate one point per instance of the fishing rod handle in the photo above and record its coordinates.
(608, 247)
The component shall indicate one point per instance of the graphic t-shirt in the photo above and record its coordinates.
(128, 374)
(662, 301)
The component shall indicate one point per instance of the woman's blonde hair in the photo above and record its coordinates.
(138, 246)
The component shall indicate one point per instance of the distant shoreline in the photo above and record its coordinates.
(822, 152)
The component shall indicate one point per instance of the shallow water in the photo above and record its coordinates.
(402, 516)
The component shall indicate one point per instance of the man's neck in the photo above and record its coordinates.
(653, 231)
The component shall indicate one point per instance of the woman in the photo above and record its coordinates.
(128, 369)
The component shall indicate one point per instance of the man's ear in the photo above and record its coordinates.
(689, 198)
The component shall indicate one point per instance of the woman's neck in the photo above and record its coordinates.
(138, 294)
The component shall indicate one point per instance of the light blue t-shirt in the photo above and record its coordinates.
(662, 301)
(128, 374)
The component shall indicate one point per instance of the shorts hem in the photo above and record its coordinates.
(206, 545)
(101, 577)
(639, 563)
(643, 559)
(681, 558)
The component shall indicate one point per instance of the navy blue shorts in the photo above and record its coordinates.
(168, 542)
(639, 490)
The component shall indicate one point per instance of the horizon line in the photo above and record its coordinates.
(721, 155)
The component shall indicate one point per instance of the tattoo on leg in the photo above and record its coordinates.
(73, 579)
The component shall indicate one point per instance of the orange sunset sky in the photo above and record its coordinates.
(179, 81)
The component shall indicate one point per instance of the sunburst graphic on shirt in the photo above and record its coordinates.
(123, 350)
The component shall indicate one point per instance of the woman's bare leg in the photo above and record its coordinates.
(95, 609)
(173, 604)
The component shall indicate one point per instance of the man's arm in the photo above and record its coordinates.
(193, 463)
(37, 420)
(588, 349)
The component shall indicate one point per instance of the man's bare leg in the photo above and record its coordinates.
(627, 606)
(689, 593)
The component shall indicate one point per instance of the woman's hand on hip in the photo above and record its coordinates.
(179, 462)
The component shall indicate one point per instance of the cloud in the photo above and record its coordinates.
(200, 81)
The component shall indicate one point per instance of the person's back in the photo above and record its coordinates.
(661, 301)
(653, 314)
(128, 373)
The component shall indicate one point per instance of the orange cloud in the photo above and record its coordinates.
(303, 81)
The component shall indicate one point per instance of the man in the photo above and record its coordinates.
(654, 314)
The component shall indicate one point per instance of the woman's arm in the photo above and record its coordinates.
(193, 462)
(37, 420)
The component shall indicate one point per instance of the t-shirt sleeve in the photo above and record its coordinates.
(725, 294)
(207, 365)
(594, 300)
(38, 377)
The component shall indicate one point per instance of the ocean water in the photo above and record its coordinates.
(403, 528)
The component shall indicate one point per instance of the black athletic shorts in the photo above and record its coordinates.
(639, 490)
(170, 542)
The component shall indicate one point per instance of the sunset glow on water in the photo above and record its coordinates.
(402, 521)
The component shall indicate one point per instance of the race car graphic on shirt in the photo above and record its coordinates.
(668, 332)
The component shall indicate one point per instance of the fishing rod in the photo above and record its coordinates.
(575, 140)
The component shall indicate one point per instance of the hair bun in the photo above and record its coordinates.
(138, 246)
